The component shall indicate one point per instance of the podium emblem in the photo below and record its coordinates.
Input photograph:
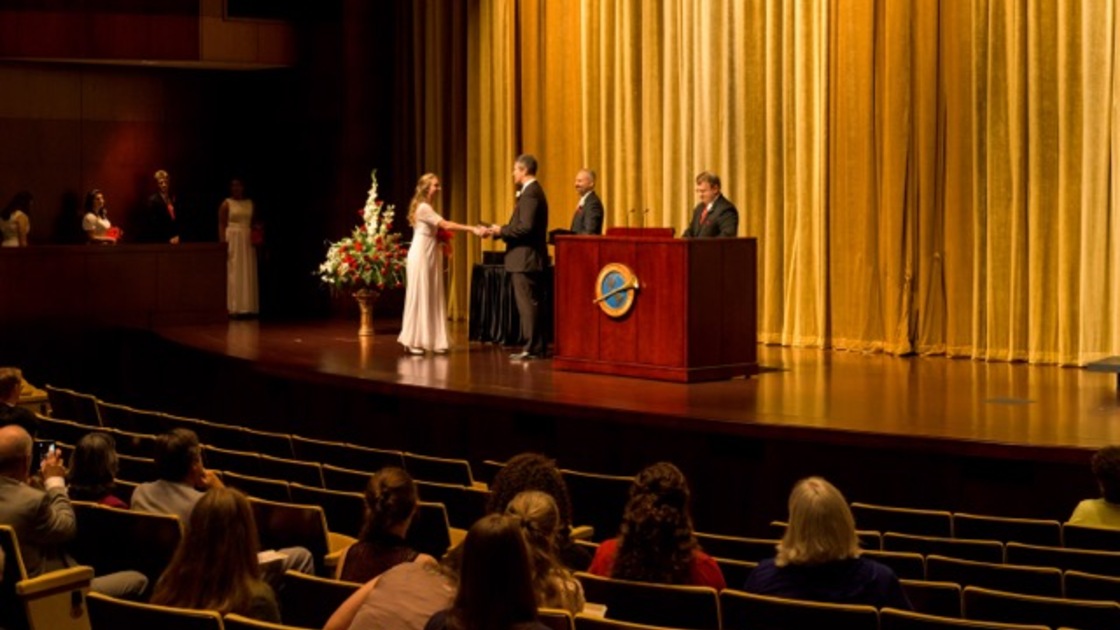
(615, 289)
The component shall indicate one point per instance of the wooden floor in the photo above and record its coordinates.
(958, 406)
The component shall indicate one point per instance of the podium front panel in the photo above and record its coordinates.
(662, 323)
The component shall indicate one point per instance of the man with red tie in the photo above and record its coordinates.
(588, 217)
(162, 219)
(714, 215)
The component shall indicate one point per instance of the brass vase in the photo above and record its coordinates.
(366, 298)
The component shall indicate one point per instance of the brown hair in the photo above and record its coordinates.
(539, 518)
(656, 542)
(709, 178)
(215, 566)
(11, 379)
(495, 584)
(821, 528)
(423, 185)
(390, 499)
(1106, 468)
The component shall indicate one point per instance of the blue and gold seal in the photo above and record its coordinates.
(615, 289)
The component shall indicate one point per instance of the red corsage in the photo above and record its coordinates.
(443, 237)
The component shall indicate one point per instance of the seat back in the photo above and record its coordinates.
(111, 539)
(735, 572)
(134, 444)
(12, 614)
(233, 438)
(1025, 530)
(556, 619)
(259, 487)
(488, 470)
(907, 565)
(598, 501)
(883, 518)
(659, 604)
(1099, 562)
(345, 510)
(310, 601)
(893, 619)
(344, 455)
(137, 469)
(241, 462)
(747, 611)
(1081, 585)
(71, 405)
(464, 504)
(1085, 537)
(430, 531)
(933, 598)
(117, 417)
(439, 469)
(989, 605)
(109, 612)
(737, 548)
(269, 443)
(283, 525)
(60, 430)
(979, 550)
(237, 622)
(345, 479)
(291, 470)
(1001, 577)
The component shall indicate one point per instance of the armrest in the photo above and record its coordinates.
(55, 582)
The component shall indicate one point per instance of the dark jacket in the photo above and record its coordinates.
(589, 219)
(723, 220)
(160, 227)
(526, 234)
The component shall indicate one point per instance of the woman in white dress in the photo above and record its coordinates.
(424, 323)
(14, 224)
(95, 223)
(235, 228)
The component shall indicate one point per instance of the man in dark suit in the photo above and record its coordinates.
(11, 381)
(162, 215)
(526, 257)
(714, 215)
(588, 218)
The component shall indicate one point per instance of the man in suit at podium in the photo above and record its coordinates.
(714, 215)
(588, 218)
(526, 257)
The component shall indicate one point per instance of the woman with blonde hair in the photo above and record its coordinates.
(216, 565)
(424, 321)
(540, 520)
(819, 556)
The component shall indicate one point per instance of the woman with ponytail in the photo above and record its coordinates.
(539, 518)
(390, 505)
(655, 542)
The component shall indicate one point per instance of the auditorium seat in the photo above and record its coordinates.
(893, 619)
(1033, 580)
(933, 598)
(135, 444)
(282, 524)
(48, 601)
(123, 490)
(464, 504)
(590, 622)
(906, 565)
(1084, 537)
(737, 548)
(598, 501)
(1024, 530)
(62, 430)
(172, 421)
(291, 470)
(489, 469)
(344, 455)
(138, 469)
(236, 461)
(309, 601)
(216, 434)
(1081, 585)
(989, 605)
(659, 604)
(269, 443)
(148, 421)
(345, 479)
(259, 487)
(108, 612)
(747, 611)
(1089, 561)
(430, 531)
(68, 404)
(735, 572)
(345, 510)
(111, 539)
(439, 469)
(884, 519)
(556, 619)
(237, 622)
(117, 417)
(979, 550)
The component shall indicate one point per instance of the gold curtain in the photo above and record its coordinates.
(931, 176)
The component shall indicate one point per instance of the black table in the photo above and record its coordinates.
(494, 315)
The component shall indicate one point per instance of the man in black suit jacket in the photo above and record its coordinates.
(11, 381)
(162, 215)
(714, 215)
(526, 237)
(588, 218)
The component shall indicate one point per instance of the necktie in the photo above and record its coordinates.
(704, 215)
(579, 209)
(171, 210)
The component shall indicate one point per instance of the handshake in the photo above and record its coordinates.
(487, 231)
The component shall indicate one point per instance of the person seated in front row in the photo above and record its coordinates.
(183, 480)
(656, 541)
(819, 556)
(215, 566)
(390, 505)
(539, 518)
(1104, 511)
(403, 597)
(93, 470)
(11, 380)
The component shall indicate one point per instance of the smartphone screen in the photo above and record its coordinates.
(43, 448)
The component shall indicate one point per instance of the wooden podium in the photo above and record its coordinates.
(693, 316)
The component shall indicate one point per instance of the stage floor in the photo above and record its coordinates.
(932, 403)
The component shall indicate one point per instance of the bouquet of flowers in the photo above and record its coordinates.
(371, 257)
(443, 237)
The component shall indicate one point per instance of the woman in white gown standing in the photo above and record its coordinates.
(424, 322)
(235, 228)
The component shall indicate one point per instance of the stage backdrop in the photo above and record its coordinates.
(923, 176)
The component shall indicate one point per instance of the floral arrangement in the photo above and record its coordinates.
(371, 257)
(443, 237)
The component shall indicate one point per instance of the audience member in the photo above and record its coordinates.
(93, 470)
(390, 505)
(819, 557)
(163, 219)
(540, 518)
(1104, 511)
(11, 381)
(531, 471)
(496, 581)
(14, 223)
(43, 520)
(183, 481)
(215, 566)
(656, 541)
(95, 223)
(403, 598)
